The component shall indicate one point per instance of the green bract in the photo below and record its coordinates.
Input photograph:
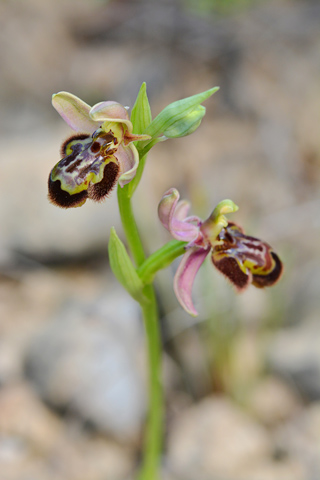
(141, 112)
(122, 267)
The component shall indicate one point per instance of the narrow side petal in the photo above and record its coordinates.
(74, 111)
(185, 275)
(128, 158)
(110, 111)
(132, 137)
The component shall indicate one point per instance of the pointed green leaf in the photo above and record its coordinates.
(123, 268)
(141, 119)
(141, 112)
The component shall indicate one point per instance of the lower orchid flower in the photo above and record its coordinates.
(98, 156)
(241, 258)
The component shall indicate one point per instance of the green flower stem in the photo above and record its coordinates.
(135, 181)
(154, 428)
(161, 258)
(144, 150)
(129, 225)
(154, 425)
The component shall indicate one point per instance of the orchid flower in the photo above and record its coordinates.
(241, 258)
(98, 156)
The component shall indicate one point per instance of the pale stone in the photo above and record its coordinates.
(88, 360)
(35, 444)
(272, 401)
(215, 438)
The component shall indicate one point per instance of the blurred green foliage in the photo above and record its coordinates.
(220, 6)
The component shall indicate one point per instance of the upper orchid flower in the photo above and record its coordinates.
(241, 258)
(98, 156)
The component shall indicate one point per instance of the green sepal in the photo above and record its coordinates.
(179, 113)
(141, 112)
(123, 268)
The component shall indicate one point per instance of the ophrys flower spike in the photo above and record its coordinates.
(109, 148)
(99, 156)
(241, 258)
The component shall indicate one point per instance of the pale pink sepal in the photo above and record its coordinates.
(110, 111)
(128, 158)
(74, 111)
(185, 275)
(173, 216)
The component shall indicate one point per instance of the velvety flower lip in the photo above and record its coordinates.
(241, 258)
(96, 159)
(244, 259)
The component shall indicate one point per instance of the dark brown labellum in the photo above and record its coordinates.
(63, 199)
(271, 278)
(98, 191)
(229, 267)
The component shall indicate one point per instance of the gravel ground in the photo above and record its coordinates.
(242, 380)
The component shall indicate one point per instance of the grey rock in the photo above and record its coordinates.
(35, 444)
(87, 360)
(273, 402)
(295, 355)
(215, 439)
(300, 438)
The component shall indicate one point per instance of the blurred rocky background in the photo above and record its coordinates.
(243, 379)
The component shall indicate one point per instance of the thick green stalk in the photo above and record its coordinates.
(129, 226)
(154, 425)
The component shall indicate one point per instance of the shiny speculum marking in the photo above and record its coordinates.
(88, 169)
(243, 258)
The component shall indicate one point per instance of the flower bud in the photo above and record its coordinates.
(187, 124)
(180, 118)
